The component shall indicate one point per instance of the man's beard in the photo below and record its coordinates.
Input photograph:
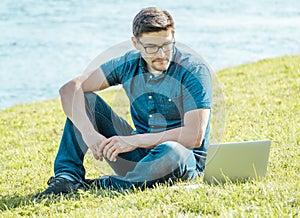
(160, 64)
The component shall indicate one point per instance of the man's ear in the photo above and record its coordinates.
(135, 42)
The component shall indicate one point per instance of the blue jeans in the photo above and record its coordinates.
(167, 162)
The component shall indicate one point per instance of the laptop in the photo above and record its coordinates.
(236, 161)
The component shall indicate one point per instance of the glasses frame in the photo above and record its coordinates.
(157, 47)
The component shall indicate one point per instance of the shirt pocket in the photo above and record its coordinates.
(170, 108)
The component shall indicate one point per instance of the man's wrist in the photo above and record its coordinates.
(141, 141)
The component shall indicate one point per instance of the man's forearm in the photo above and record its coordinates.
(73, 103)
(183, 135)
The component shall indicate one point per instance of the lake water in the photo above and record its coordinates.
(43, 44)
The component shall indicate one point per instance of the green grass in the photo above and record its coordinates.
(261, 102)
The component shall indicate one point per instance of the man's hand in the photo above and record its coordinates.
(115, 145)
(93, 141)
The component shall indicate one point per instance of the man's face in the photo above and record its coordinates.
(156, 49)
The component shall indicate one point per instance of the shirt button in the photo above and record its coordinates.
(151, 76)
(150, 97)
(170, 99)
(150, 115)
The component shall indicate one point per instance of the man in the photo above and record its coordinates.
(170, 97)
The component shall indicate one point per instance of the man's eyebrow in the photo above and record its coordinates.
(149, 44)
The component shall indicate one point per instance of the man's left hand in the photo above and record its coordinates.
(115, 145)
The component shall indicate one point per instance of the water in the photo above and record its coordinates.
(43, 44)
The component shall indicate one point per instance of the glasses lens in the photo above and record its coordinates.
(151, 50)
(168, 47)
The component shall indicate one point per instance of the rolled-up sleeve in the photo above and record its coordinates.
(120, 69)
(197, 88)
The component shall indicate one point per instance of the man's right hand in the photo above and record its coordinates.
(93, 141)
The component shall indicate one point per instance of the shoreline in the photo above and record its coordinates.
(120, 87)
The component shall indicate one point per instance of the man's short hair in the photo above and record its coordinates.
(152, 19)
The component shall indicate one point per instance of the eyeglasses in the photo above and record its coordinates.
(152, 49)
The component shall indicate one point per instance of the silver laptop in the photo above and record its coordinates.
(236, 161)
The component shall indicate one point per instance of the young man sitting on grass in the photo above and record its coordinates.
(170, 97)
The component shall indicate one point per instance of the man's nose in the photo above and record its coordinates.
(160, 52)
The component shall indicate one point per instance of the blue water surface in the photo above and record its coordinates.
(43, 44)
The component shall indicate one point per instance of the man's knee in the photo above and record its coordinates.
(170, 146)
(94, 102)
(180, 159)
(90, 98)
(176, 150)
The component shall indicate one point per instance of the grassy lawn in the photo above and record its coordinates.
(262, 101)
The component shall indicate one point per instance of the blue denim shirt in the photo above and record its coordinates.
(158, 103)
